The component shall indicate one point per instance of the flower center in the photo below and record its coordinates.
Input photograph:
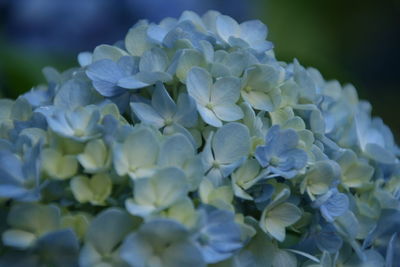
(209, 105)
(248, 89)
(274, 161)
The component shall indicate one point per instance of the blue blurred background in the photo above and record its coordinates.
(352, 41)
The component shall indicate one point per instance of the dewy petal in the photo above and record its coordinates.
(199, 84)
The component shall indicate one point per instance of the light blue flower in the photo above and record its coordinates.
(161, 243)
(104, 236)
(375, 139)
(74, 94)
(20, 178)
(279, 214)
(164, 112)
(106, 75)
(216, 102)
(280, 153)
(109, 163)
(157, 192)
(137, 154)
(153, 66)
(185, 60)
(80, 124)
(186, 30)
(326, 238)
(57, 248)
(332, 204)
(231, 64)
(247, 34)
(225, 150)
(320, 178)
(219, 236)
(157, 32)
(246, 176)
(260, 86)
(104, 52)
(29, 222)
(383, 235)
(137, 40)
(177, 151)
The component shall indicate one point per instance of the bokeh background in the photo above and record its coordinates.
(354, 41)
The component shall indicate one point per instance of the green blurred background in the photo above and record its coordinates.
(354, 42)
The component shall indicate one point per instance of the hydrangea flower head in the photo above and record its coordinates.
(188, 143)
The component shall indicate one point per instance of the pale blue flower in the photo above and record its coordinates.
(76, 93)
(384, 235)
(375, 139)
(137, 154)
(164, 112)
(109, 163)
(247, 34)
(157, 192)
(186, 30)
(106, 75)
(161, 243)
(326, 238)
(219, 236)
(280, 153)
(332, 204)
(178, 151)
(152, 68)
(29, 222)
(231, 64)
(216, 102)
(226, 150)
(80, 124)
(20, 178)
(260, 86)
(104, 236)
(137, 40)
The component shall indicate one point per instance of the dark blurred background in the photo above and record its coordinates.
(352, 41)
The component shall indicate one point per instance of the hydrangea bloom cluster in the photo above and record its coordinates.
(190, 144)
